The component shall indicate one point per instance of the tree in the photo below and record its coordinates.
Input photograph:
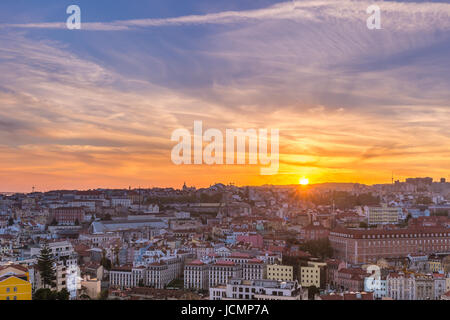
(10, 221)
(318, 248)
(312, 291)
(105, 262)
(77, 223)
(47, 294)
(103, 295)
(116, 252)
(363, 225)
(42, 294)
(45, 265)
(63, 294)
(84, 296)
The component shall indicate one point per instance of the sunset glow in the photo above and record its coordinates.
(304, 181)
(95, 107)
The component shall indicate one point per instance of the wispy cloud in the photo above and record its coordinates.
(351, 104)
(397, 16)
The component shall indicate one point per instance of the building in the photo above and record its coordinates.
(418, 261)
(221, 271)
(280, 272)
(15, 287)
(68, 215)
(256, 240)
(15, 283)
(434, 264)
(382, 215)
(154, 272)
(440, 285)
(196, 275)
(103, 227)
(333, 266)
(314, 231)
(122, 276)
(91, 287)
(241, 289)
(424, 287)
(58, 249)
(254, 269)
(377, 286)
(120, 202)
(313, 274)
(351, 279)
(363, 246)
(348, 296)
(401, 286)
(158, 274)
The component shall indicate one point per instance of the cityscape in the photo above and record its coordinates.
(224, 158)
(294, 242)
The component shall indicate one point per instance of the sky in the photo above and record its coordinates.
(96, 107)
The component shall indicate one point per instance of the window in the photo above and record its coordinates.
(15, 289)
(8, 290)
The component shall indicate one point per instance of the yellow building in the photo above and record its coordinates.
(280, 273)
(435, 265)
(15, 287)
(313, 274)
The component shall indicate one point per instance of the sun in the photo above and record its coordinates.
(304, 181)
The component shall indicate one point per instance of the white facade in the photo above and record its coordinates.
(401, 286)
(241, 289)
(222, 271)
(122, 202)
(196, 275)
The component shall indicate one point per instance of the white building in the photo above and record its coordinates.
(155, 270)
(121, 202)
(439, 285)
(254, 269)
(88, 205)
(400, 286)
(196, 275)
(221, 271)
(241, 289)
